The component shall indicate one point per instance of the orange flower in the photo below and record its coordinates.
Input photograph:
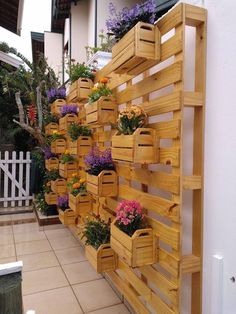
(76, 185)
(104, 80)
(82, 180)
(74, 175)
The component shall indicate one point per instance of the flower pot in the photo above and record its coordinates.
(59, 186)
(50, 128)
(52, 163)
(103, 111)
(58, 146)
(81, 146)
(80, 204)
(65, 121)
(67, 217)
(138, 250)
(50, 198)
(56, 107)
(140, 147)
(105, 184)
(103, 259)
(80, 90)
(66, 170)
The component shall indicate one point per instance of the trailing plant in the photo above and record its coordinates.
(97, 232)
(130, 217)
(97, 161)
(56, 93)
(66, 157)
(130, 119)
(76, 130)
(100, 89)
(66, 109)
(79, 70)
(63, 202)
(77, 185)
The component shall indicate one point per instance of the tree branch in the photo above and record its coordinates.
(20, 108)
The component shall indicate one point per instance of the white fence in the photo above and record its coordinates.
(15, 179)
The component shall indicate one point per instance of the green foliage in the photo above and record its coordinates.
(66, 157)
(75, 130)
(51, 175)
(48, 118)
(97, 232)
(79, 70)
(99, 91)
(42, 206)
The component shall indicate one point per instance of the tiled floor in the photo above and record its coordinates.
(57, 278)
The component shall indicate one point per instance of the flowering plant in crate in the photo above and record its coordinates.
(119, 23)
(51, 176)
(56, 93)
(77, 185)
(49, 118)
(79, 70)
(48, 153)
(100, 89)
(68, 109)
(75, 130)
(63, 202)
(66, 157)
(130, 119)
(55, 136)
(97, 161)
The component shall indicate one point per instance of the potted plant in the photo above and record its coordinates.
(79, 200)
(50, 196)
(97, 247)
(80, 141)
(56, 98)
(81, 78)
(58, 143)
(67, 165)
(101, 108)
(68, 116)
(134, 142)
(66, 215)
(131, 239)
(138, 39)
(101, 177)
(51, 160)
(57, 184)
(51, 124)
(43, 207)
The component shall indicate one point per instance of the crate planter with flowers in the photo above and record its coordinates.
(58, 146)
(101, 108)
(66, 215)
(80, 89)
(133, 142)
(50, 198)
(51, 127)
(69, 115)
(101, 177)
(130, 238)
(67, 165)
(56, 107)
(80, 141)
(52, 163)
(97, 248)
(59, 186)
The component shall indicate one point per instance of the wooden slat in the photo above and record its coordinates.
(154, 203)
(193, 99)
(162, 307)
(172, 46)
(165, 77)
(167, 129)
(190, 264)
(192, 182)
(170, 156)
(171, 20)
(169, 262)
(194, 16)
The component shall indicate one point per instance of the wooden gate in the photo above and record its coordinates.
(15, 179)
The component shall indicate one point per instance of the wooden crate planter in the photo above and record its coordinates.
(140, 147)
(59, 186)
(80, 204)
(67, 217)
(52, 163)
(140, 44)
(66, 170)
(50, 198)
(102, 111)
(81, 146)
(65, 121)
(105, 184)
(56, 107)
(50, 128)
(138, 250)
(80, 89)
(103, 259)
(58, 146)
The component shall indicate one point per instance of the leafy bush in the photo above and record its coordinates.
(79, 70)
(97, 232)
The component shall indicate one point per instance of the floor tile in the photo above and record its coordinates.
(116, 309)
(57, 301)
(63, 243)
(94, 295)
(38, 261)
(33, 235)
(80, 272)
(57, 233)
(5, 217)
(5, 230)
(6, 238)
(7, 260)
(7, 250)
(23, 216)
(22, 228)
(32, 247)
(71, 255)
(43, 279)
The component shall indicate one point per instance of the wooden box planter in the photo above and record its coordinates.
(58, 146)
(50, 128)
(80, 204)
(140, 44)
(80, 89)
(66, 170)
(81, 146)
(65, 121)
(103, 259)
(67, 217)
(56, 107)
(103, 111)
(50, 198)
(138, 250)
(52, 163)
(59, 186)
(105, 184)
(140, 147)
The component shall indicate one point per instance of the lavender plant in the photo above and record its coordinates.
(56, 93)
(47, 152)
(97, 161)
(63, 202)
(68, 109)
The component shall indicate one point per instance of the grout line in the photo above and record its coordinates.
(107, 307)
(24, 295)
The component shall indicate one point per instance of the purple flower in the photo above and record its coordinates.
(97, 161)
(47, 152)
(68, 109)
(56, 93)
(63, 202)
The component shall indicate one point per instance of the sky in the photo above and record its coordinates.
(36, 18)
